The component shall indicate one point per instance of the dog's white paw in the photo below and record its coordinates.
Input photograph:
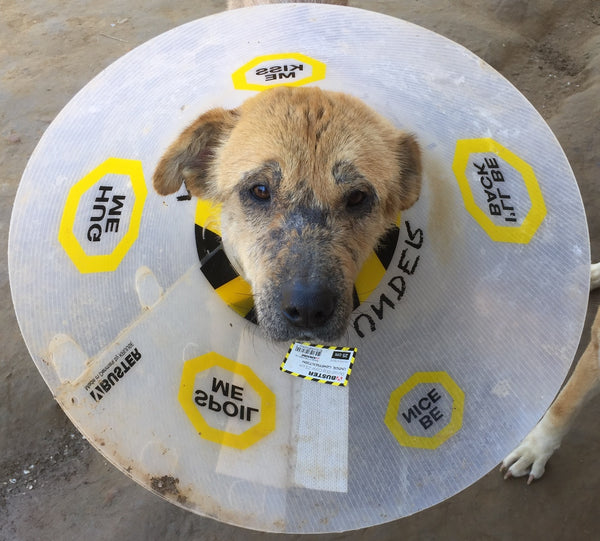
(531, 455)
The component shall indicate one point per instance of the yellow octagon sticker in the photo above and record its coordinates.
(222, 406)
(284, 69)
(499, 189)
(428, 408)
(106, 215)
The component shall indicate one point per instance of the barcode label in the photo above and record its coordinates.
(325, 364)
(310, 351)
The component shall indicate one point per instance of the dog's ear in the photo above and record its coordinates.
(409, 161)
(191, 158)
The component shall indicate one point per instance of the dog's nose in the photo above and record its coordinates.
(307, 305)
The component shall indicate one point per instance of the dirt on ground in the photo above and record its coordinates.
(54, 485)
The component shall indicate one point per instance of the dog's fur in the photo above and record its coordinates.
(309, 181)
(531, 455)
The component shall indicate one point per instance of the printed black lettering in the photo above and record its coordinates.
(436, 414)
(398, 289)
(426, 421)
(495, 209)
(490, 195)
(369, 319)
(112, 225)
(434, 396)
(492, 163)
(424, 410)
(102, 198)
(412, 414)
(424, 403)
(490, 174)
(405, 265)
(200, 398)
(481, 170)
(286, 71)
(486, 182)
(125, 366)
(100, 215)
(379, 309)
(497, 176)
(115, 372)
(213, 404)
(236, 392)
(418, 233)
(502, 195)
(220, 385)
(118, 205)
(203, 399)
(408, 263)
(131, 360)
(97, 394)
(230, 409)
(94, 233)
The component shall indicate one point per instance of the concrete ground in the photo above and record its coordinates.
(53, 485)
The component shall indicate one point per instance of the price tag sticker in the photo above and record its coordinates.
(324, 364)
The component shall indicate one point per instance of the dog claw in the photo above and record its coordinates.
(530, 479)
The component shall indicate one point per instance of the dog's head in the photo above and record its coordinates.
(309, 181)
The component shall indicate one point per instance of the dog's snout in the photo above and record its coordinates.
(307, 305)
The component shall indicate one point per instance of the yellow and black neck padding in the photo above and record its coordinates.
(237, 293)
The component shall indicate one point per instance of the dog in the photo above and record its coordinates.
(531, 456)
(309, 181)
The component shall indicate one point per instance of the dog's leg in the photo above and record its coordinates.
(535, 450)
(595, 276)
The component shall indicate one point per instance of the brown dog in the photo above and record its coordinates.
(309, 181)
(531, 455)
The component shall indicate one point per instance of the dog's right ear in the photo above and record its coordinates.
(191, 158)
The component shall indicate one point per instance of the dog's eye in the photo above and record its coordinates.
(355, 198)
(260, 192)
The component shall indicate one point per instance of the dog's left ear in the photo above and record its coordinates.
(408, 158)
(191, 158)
